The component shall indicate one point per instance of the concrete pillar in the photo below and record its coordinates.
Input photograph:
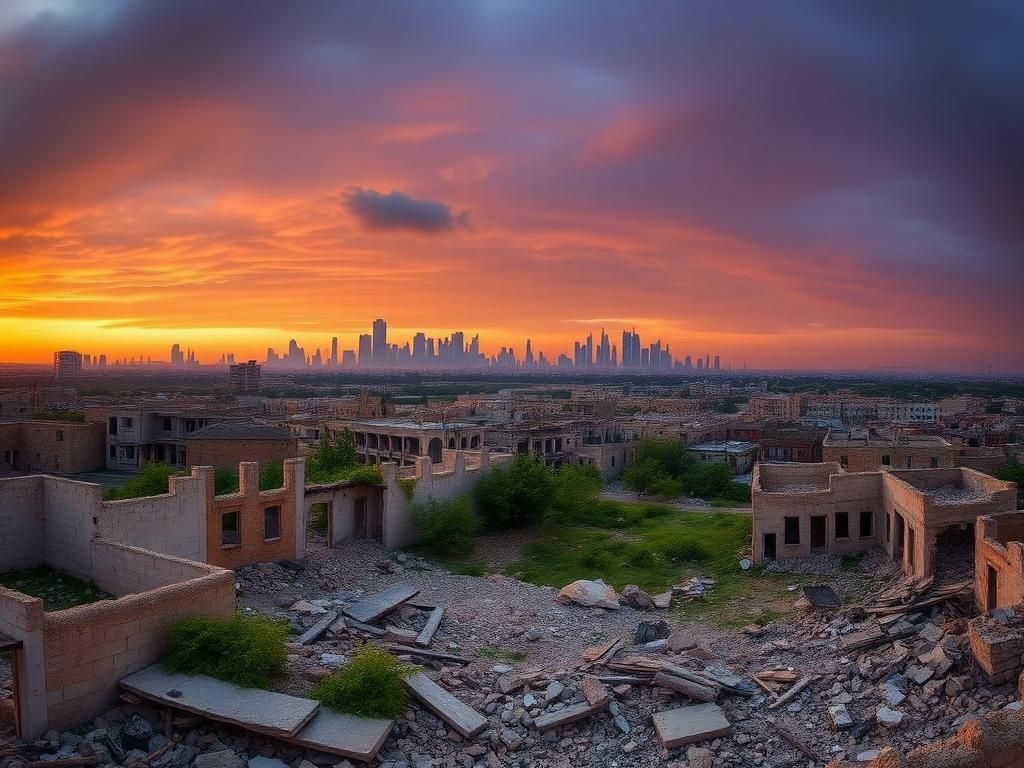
(485, 460)
(249, 478)
(460, 463)
(295, 484)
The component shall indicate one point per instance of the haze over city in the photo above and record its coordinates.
(836, 186)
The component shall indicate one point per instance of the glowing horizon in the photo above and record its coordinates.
(733, 184)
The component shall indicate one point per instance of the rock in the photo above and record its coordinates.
(511, 739)
(589, 593)
(157, 741)
(333, 659)
(698, 757)
(509, 682)
(919, 675)
(867, 755)
(646, 631)
(267, 762)
(681, 640)
(629, 746)
(136, 733)
(893, 695)
(745, 564)
(635, 597)
(888, 717)
(663, 600)
(554, 691)
(533, 634)
(223, 758)
(840, 717)
(529, 701)
(501, 669)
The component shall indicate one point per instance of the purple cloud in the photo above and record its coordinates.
(396, 211)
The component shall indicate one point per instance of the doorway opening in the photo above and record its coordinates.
(769, 546)
(819, 528)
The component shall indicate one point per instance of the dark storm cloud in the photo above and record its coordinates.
(398, 211)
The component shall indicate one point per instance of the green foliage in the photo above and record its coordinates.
(446, 528)
(57, 590)
(686, 551)
(272, 476)
(707, 480)
(246, 650)
(360, 473)
(1013, 472)
(663, 468)
(468, 569)
(408, 486)
(497, 652)
(577, 490)
(317, 520)
(225, 480)
(517, 496)
(332, 459)
(153, 480)
(734, 491)
(370, 685)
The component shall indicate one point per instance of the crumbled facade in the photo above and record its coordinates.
(802, 509)
(864, 450)
(404, 442)
(738, 455)
(999, 561)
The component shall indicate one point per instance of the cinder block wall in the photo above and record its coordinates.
(998, 649)
(998, 545)
(21, 523)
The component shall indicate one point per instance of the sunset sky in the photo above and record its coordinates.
(788, 184)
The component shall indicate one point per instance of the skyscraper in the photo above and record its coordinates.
(380, 342)
(365, 350)
(334, 352)
(717, 363)
(67, 363)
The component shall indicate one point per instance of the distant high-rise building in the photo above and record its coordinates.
(717, 362)
(529, 354)
(707, 362)
(103, 361)
(334, 351)
(645, 357)
(67, 362)
(177, 357)
(365, 350)
(419, 348)
(380, 342)
(700, 364)
(244, 378)
(688, 365)
(348, 359)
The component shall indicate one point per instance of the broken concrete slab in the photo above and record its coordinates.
(373, 607)
(433, 622)
(686, 725)
(273, 714)
(357, 738)
(822, 596)
(453, 711)
(314, 632)
(840, 717)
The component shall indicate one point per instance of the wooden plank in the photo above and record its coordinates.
(357, 738)
(433, 622)
(274, 714)
(598, 652)
(687, 725)
(369, 629)
(793, 739)
(791, 692)
(564, 716)
(314, 632)
(686, 687)
(593, 691)
(427, 654)
(457, 714)
(373, 607)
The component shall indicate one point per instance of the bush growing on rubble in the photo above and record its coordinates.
(245, 650)
(517, 496)
(370, 685)
(446, 528)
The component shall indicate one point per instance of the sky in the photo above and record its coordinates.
(794, 184)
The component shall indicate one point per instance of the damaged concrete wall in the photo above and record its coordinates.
(21, 545)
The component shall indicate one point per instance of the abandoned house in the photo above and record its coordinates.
(804, 509)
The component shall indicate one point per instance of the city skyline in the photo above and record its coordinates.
(799, 186)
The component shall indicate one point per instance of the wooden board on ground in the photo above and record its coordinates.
(687, 725)
(564, 716)
(274, 714)
(373, 607)
(314, 632)
(433, 622)
(456, 713)
(357, 738)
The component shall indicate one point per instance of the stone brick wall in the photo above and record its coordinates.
(250, 504)
(88, 649)
(993, 741)
(69, 508)
(997, 646)
(173, 523)
(868, 458)
(54, 446)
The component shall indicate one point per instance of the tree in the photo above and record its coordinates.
(643, 475)
(332, 457)
(577, 489)
(517, 496)
(1014, 473)
(657, 464)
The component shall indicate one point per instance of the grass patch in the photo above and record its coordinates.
(57, 590)
(370, 685)
(245, 650)
(467, 569)
(665, 546)
(501, 654)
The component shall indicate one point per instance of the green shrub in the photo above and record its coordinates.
(331, 460)
(446, 528)
(668, 487)
(153, 480)
(517, 496)
(245, 650)
(640, 558)
(577, 490)
(408, 486)
(370, 685)
(272, 476)
(225, 480)
(686, 551)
